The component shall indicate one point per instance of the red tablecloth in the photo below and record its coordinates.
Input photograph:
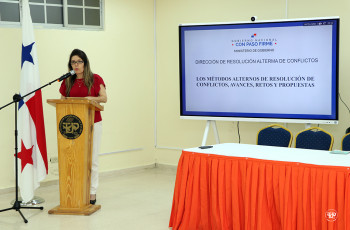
(223, 192)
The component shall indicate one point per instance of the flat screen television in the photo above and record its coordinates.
(273, 71)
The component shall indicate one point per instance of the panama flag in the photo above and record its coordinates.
(32, 155)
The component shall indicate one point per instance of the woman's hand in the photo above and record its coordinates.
(102, 95)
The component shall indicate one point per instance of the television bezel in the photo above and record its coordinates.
(261, 118)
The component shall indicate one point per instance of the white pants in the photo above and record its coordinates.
(95, 151)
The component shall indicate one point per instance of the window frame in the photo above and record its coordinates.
(9, 23)
(65, 24)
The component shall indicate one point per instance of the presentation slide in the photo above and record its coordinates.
(273, 71)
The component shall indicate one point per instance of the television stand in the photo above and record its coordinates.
(216, 134)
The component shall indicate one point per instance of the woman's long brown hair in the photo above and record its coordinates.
(87, 76)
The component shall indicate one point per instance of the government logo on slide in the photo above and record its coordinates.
(254, 40)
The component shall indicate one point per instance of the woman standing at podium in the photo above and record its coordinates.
(86, 84)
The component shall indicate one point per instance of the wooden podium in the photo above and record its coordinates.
(75, 122)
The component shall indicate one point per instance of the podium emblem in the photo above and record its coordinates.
(71, 126)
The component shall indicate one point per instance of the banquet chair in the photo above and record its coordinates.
(275, 135)
(314, 138)
(345, 142)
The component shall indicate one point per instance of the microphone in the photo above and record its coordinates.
(70, 73)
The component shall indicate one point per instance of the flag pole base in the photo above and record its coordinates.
(35, 201)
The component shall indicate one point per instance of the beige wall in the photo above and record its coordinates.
(123, 54)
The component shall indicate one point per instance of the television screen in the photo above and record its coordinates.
(280, 71)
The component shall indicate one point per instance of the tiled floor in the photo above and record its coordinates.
(136, 200)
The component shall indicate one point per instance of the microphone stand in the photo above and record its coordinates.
(17, 98)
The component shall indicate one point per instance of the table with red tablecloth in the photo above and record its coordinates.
(240, 186)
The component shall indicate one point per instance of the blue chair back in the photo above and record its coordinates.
(345, 143)
(314, 138)
(275, 135)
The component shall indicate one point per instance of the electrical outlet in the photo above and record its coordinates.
(54, 159)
